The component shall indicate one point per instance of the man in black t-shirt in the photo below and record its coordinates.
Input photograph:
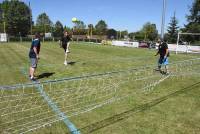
(164, 54)
(64, 43)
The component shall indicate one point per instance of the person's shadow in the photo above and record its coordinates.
(71, 62)
(44, 75)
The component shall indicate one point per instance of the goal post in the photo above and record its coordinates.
(186, 45)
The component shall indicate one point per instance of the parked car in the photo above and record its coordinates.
(143, 45)
(152, 45)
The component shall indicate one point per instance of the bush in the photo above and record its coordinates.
(27, 39)
(13, 39)
(106, 42)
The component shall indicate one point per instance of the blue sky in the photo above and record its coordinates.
(128, 15)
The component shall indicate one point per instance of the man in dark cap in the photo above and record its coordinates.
(164, 54)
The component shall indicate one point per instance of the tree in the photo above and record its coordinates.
(172, 30)
(1, 14)
(101, 27)
(149, 31)
(68, 29)
(131, 36)
(17, 17)
(79, 28)
(90, 29)
(1, 20)
(194, 16)
(193, 19)
(58, 29)
(124, 34)
(44, 23)
(80, 25)
(138, 35)
(111, 34)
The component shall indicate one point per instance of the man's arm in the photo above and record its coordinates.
(36, 52)
(157, 52)
(166, 52)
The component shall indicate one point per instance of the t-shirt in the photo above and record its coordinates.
(162, 49)
(35, 43)
(65, 40)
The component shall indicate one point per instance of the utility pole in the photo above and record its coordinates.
(163, 19)
(30, 18)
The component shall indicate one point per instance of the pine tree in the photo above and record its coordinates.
(173, 29)
(58, 29)
(194, 16)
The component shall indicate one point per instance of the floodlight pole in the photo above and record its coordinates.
(163, 19)
(31, 27)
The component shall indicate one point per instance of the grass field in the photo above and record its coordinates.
(171, 106)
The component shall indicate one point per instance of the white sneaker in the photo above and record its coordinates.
(65, 63)
(67, 51)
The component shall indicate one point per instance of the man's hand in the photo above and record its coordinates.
(165, 58)
(38, 57)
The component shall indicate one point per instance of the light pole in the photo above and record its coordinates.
(31, 27)
(4, 23)
(163, 19)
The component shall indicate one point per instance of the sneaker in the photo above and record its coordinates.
(157, 69)
(32, 78)
(65, 63)
(167, 73)
(67, 51)
(162, 72)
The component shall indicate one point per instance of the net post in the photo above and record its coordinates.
(177, 42)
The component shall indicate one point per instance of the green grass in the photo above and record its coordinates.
(170, 107)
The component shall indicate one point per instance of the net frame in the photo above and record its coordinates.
(178, 39)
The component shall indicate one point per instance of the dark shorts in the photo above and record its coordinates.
(33, 62)
(64, 46)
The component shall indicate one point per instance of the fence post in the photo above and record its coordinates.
(20, 39)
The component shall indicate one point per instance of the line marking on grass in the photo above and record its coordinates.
(53, 106)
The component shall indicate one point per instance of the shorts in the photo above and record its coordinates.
(33, 62)
(163, 61)
(65, 46)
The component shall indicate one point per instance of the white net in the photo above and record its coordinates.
(24, 108)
